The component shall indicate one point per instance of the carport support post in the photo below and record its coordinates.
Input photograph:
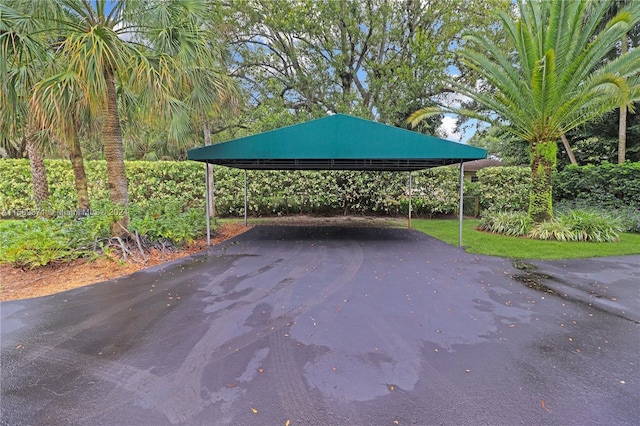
(207, 201)
(245, 198)
(409, 225)
(461, 203)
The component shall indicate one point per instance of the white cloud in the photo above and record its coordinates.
(448, 130)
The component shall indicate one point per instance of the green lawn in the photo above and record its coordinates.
(522, 248)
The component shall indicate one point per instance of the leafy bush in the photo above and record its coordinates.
(435, 191)
(166, 180)
(574, 225)
(627, 216)
(515, 224)
(552, 230)
(270, 192)
(590, 226)
(606, 185)
(504, 188)
(167, 221)
(36, 242)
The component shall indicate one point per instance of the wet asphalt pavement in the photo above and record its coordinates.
(331, 326)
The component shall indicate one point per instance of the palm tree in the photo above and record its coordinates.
(553, 80)
(110, 44)
(58, 106)
(21, 46)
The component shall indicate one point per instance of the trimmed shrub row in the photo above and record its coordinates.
(606, 185)
(270, 192)
(435, 191)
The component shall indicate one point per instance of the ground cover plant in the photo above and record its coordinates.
(30, 243)
(480, 242)
(573, 225)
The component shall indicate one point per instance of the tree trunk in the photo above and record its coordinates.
(38, 172)
(212, 193)
(567, 148)
(77, 163)
(622, 135)
(543, 162)
(114, 154)
(622, 125)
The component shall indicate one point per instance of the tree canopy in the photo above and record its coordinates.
(378, 59)
(556, 78)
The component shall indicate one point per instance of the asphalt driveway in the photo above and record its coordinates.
(331, 326)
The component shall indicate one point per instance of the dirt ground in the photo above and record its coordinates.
(50, 279)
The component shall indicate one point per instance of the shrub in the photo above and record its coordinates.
(504, 188)
(606, 185)
(36, 242)
(270, 192)
(552, 230)
(168, 221)
(575, 225)
(435, 191)
(628, 217)
(514, 224)
(591, 226)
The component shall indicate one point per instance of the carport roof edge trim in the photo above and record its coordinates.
(337, 142)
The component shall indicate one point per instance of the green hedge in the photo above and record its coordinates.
(606, 185)
(147, 180)
(435, 191)
(504, 188)
(270, 192)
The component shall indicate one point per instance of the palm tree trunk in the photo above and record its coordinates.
(212, 192)
(77, 163)
(622, 124)
(38, 172)
(114, 154)
(567, 148)
(543, 162)
(622, 135)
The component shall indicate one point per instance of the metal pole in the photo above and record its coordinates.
(207, 208)
(461, 207)
(245, 198)
(409, 199)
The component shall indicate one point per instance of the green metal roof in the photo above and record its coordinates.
(339, 142)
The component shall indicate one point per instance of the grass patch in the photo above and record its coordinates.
(479, 242)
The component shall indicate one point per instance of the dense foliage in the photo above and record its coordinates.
(607, 185)
(504, 188)
(29, 243)
(552, 75)
(435, 191)
(575, 225)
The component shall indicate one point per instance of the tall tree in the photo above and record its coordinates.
(597, 141)
(58, 105)
(140, 44)
(379, 59)
(629, 40)
(555, 80)
(23, 53)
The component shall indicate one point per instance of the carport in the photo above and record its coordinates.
(338, 142)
